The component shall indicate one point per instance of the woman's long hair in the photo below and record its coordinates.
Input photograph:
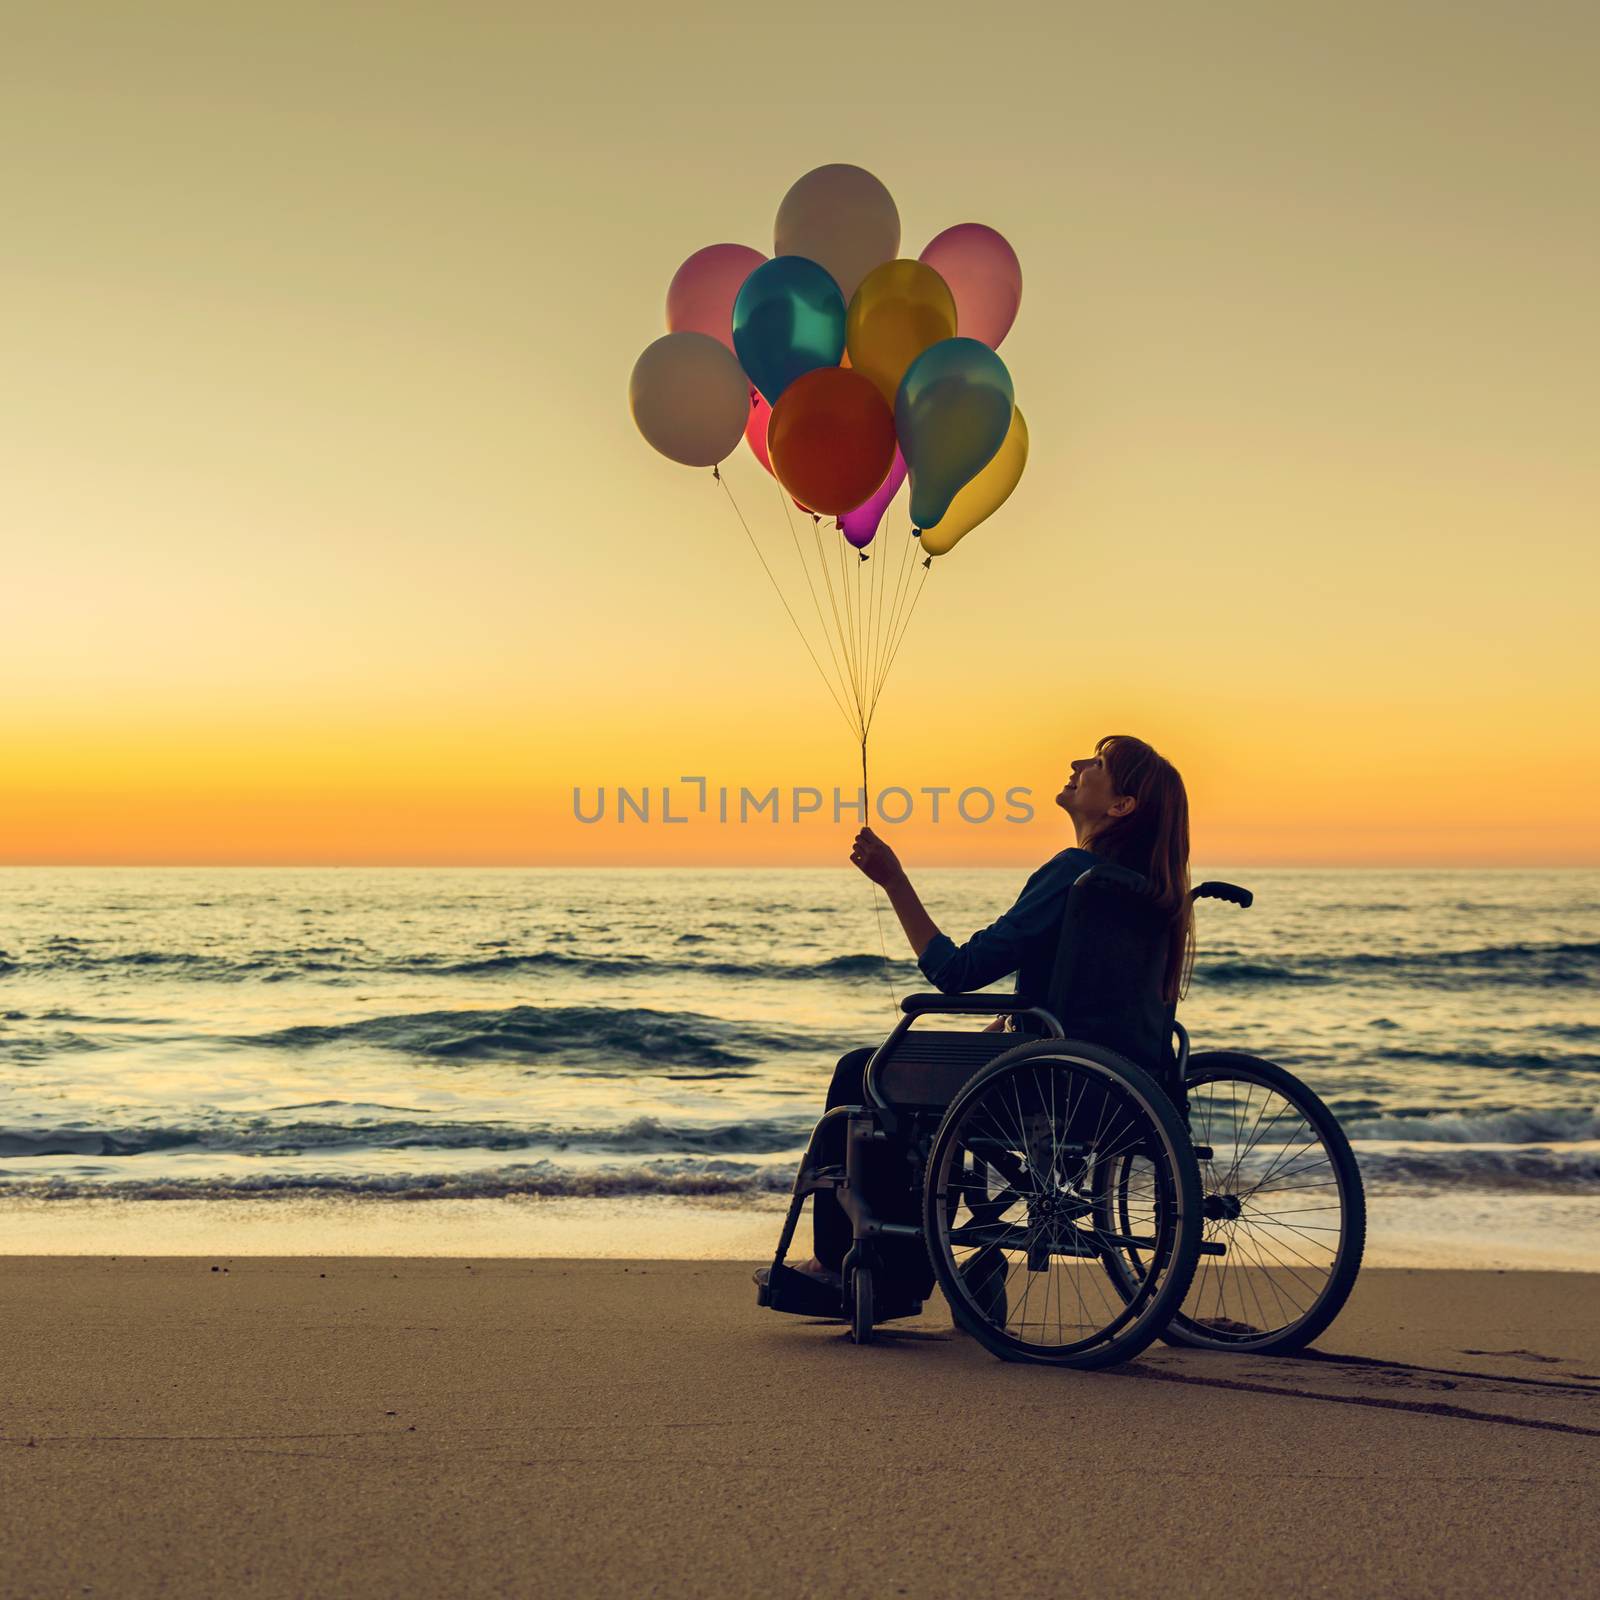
(1153, 839)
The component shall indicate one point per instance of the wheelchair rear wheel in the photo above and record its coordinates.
(1013, 1233)
(1285, 1216)
(1284, 1192)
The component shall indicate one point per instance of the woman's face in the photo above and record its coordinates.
(1089, 796)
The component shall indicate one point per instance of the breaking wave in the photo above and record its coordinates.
(1555, 1125)
(330, 964)
(535, 1179)
(1566, 962)
(535, 1033)
(1556, 962)
(268, 1136)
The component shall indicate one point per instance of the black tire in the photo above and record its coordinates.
(1289, 1278)
(1041, 1116)
(859, 1302)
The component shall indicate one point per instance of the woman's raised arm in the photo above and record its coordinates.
(882, 865)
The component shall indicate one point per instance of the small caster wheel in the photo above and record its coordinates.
(860, 1302)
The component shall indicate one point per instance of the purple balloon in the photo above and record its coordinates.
(860, 525)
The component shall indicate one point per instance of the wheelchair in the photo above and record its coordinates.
(1078, 1193)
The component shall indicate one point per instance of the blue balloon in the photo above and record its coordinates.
(788, 319)
(952, 414)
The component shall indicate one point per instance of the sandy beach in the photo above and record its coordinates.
(277, 1426)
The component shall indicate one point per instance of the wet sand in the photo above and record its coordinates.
(299, 1426)
(1464, 1229)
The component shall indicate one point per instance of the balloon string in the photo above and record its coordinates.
(865, 652)
(833, 611)
(869, 651)
(869, 628)
(907, 557)
(852, 590)
(816, 599)
(894, 612)
(827, 578)
(876, 891)
(868, 572)
(852, 557)
(882, 567)
(910, 613)
(850, 621)
(783, 598)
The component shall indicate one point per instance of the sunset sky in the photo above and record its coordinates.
(328, 537)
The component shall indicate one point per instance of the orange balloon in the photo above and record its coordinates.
(831, 439)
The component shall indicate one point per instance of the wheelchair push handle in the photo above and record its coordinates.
(1213, 890)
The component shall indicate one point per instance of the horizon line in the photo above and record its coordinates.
(1309, 864)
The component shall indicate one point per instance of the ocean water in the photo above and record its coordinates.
(217, 1034)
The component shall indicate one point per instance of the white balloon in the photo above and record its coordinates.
(690, 398)
(842, 218)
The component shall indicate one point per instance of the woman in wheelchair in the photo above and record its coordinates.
(1130, 814)
(1081, 1184)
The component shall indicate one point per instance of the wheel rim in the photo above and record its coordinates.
(1024, 1244)
(1273, 1198)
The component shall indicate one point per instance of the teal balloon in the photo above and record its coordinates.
(788, 319)
(952, 414)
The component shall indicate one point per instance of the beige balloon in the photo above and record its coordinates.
(985, 494)
(842, 218)
(690, 398)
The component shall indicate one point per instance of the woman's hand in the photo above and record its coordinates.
(882, 865)
(875, 858)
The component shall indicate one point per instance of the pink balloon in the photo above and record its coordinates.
(755, 430)
(860, 525)
(701, 294)
(984, 276)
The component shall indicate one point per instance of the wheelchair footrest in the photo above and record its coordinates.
(800, 1293)
(894, 1310)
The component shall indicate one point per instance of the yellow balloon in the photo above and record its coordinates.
(900, 309)
(984, 495)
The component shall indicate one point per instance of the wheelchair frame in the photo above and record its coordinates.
(876, 1122)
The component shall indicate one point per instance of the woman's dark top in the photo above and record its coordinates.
(1022, 941)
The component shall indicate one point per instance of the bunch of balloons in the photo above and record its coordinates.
(846, 368)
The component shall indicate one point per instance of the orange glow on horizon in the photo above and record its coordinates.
(300, 796)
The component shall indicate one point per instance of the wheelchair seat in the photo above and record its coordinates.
(923, 1069)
